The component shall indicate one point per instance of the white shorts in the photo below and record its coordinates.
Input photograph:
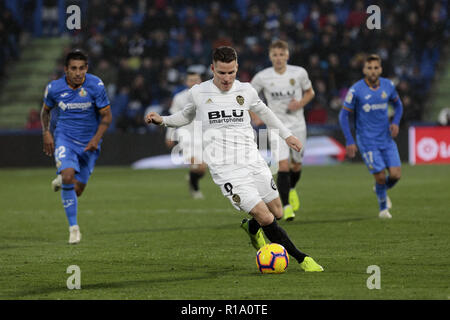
(245, 186)
(281, 151)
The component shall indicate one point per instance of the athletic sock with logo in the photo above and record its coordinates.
(70, 203)
(380, 190)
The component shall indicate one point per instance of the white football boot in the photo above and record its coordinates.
(384, 214)
(75, 235)
(56, 183)
(197, 195)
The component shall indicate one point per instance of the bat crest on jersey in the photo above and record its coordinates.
(292, 82)
(240, 100)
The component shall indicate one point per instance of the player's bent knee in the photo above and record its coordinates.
(79, 188)
(262, 214)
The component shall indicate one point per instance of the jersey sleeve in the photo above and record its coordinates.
(101, 98)
(184, 116)
(266, 115)
(257, 83)
(393, 97)
(305, 83)
(48, 96)
(350, 99)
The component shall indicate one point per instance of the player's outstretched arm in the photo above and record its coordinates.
(153, 117)
(47, 137)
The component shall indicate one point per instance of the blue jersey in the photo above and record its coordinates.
(78, 117)
(371, 111)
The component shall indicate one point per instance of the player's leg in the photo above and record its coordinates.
(284, 186)
(197, 170)
(376, 165)
(276, 234)
(296, 172)
(393, 164)
(296, 168)
(70, 203)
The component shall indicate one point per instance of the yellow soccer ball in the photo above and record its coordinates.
(272, 258)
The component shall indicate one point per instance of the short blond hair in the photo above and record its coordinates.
(279, 44)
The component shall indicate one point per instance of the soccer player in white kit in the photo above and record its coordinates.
(189, 141)
(222, 104)
(287, 90)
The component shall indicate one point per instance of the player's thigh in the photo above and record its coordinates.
(87, 164)
(373, 158)
(297, 157)
(392, 160)
(264, 182)
(66, 156)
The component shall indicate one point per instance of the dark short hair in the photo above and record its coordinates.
(224, 54)
(373, 57)
(75, 54)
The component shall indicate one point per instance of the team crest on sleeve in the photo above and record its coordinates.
(349, 97)
(240, 100)
(46, 90)
(236, 198)
(83, 92)
(292, 82)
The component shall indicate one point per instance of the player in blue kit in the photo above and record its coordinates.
(84, 116)
(368, 99)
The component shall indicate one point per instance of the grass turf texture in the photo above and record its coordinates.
(145, 238)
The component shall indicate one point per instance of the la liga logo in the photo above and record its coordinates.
(429, 149)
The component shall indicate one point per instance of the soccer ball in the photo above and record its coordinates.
(272, 258)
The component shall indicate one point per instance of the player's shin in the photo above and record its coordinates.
(70, 203)
(295, 177)
(380, 190)
(278, 235)
(283, 183)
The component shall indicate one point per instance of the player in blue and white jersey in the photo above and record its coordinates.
(84, 117)
(368, 99)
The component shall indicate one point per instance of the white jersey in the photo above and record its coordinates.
(179, 101)
(228, 137)
(280, 89)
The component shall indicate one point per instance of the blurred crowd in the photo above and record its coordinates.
(142, 49)
(10, 31)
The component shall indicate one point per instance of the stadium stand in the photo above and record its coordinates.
(141, 49)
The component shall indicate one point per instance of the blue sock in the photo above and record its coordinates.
(70, 203)
(390, 182)
(380, 190)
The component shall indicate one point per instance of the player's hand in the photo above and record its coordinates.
(294, 143)
(92, 145)
(170, 143)
(48, 142)
(294, 105)
(394, 130)
(351, 150)
(153, 117)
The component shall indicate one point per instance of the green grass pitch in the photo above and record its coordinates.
(145, 238)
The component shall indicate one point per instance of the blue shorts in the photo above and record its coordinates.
(71, 154)
(378, 158)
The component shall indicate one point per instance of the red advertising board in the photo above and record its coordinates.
(429, 145)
